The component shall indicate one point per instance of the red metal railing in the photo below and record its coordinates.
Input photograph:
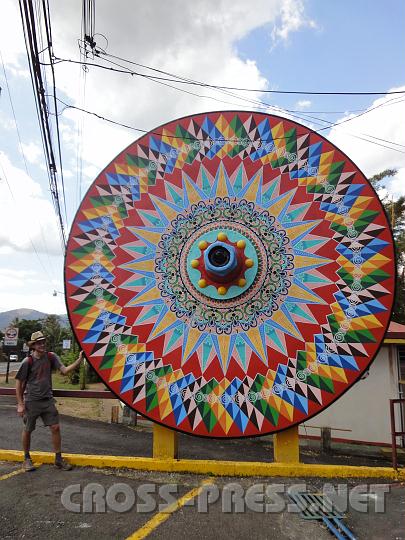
(394, 432)
(99, 394)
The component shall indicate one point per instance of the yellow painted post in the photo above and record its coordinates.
(286, 446)
(165, 442)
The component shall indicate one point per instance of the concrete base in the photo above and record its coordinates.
(286, 446)
(165, 443)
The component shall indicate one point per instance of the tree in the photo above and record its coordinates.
(55, 333)
(395, 210)
(26, 328)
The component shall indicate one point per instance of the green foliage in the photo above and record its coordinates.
(378, 180)
(92, 375)
(26, 328)
(55, 333)
(395, 210)
(67, 359)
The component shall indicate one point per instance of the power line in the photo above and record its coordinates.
(153, 79)
(256, 90)
(29, 236)
(291, 112)
(139, 130)
(315, 120)
(47, 20)
(14, 115)
(25, 166)
(98, 51)
(33, 53)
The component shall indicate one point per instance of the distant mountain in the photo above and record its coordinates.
(29, 314)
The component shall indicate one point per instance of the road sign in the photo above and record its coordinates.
(11, 336)
(66, 344)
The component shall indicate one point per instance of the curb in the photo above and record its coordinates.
(212, 467)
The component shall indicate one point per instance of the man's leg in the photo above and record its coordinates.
(26, 443)
(50, 416)
(56, 438)
(29, 426)
(57, 446)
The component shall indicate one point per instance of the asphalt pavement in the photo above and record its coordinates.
(102, 504)
(14, 367)
(85, 502)
(96, 437)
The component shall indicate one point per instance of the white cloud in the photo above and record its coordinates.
(6, 123)
(25, 282)
(194, 39)
(11, 37)
(30, 299)
(386, 123)
(29, 281)
(292, 19)
(396, 185)
(303, 104)
(32, 152)
(27, 218)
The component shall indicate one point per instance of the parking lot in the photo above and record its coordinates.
(122, 503)
(104, 503)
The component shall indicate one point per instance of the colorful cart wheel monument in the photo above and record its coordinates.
(230, 274)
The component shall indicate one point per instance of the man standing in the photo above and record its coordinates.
(35, 398)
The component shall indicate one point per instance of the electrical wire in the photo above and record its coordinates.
(139, 130)
(87, 38)
(38, 85)
(21, 148)
(260, 90)
(99, 52)
(47, 21)
(29, 236)
(315, 120)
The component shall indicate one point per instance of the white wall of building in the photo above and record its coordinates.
(364, 409)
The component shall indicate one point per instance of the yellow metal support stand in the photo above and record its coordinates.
(286, 446)
(165, 442)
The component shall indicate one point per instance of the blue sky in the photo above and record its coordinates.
(355, 46)
(275, 44)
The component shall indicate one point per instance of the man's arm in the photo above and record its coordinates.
(20, 384)
(20, 400)
(67, 369)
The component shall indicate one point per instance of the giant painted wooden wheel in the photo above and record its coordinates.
(230, 274)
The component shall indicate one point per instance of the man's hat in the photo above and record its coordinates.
(35, 337)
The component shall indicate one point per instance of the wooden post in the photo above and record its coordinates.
(82, 375)
(133, 418)
(326, 439)
(286, 446)
(165, 442)
(115, 410)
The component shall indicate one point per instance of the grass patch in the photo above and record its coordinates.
(61, 382)
(89, 408)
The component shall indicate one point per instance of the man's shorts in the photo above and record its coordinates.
(45, 408)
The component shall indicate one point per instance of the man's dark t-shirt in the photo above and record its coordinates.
(39, 381)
